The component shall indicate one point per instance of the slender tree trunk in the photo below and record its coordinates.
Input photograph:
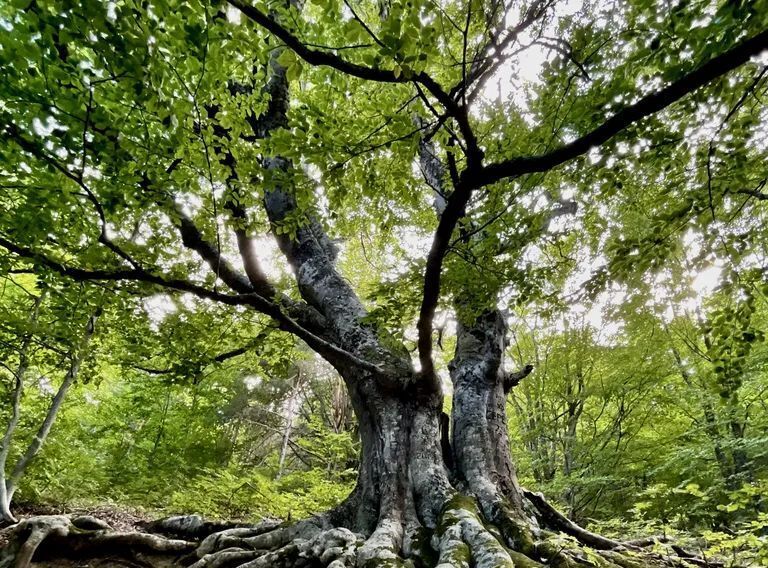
(711, 426)
(161, 427)
(77, 357)
(574, 409)
(289, 417)
(6, 485)
(742, 467)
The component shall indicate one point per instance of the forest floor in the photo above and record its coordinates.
(123, 518)
(120, 517)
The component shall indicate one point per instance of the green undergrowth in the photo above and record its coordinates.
(225, 494)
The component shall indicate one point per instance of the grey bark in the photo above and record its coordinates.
(78, 355)
(6, 486)
(480, 439)
(480, 449)
(575, 407)
(397, 411)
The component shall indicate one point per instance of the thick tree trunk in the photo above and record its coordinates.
(403, 484)
(480, 434)
(404, 488)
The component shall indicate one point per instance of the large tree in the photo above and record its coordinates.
(151, 144)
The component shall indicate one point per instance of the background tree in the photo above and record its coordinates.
(45, 348)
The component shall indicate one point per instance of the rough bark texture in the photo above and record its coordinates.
(480, 439)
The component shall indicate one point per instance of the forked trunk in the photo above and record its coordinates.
(406, 482)
(409, 508)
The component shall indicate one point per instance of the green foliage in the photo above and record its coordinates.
(178, 448)
(236, 494)
(646, 404)
(640, 417)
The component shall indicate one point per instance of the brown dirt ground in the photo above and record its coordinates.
(120, 519)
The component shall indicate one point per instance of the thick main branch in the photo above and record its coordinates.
(474, 178)
(629, 115)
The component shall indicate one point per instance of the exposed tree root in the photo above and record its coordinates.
(303, 544)
(647, 541)
(80, 536)
(192, 527)
(556, 520)
(383, 547)
(464, 538)
(619, 553)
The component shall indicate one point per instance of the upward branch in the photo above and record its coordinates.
(629, 115)
(491, 55)
(328, 59)
(474, 178)
(193, 239)
(295, 317)
(77, 356)
(6, 487)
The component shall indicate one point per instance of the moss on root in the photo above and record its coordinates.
(421, 547)
(627, 560)
(523, 561)
(555, 552)
(449, 515)
(460, 555)
(517, 533)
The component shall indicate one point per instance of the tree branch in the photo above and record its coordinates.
(754, 193)
(483, 66)
(646, 106)
(12, 131)
(247, 248)
(473, 178)
(192, 238)
(511, 380)
(260, 304)
(328, 59)
(220, 358)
